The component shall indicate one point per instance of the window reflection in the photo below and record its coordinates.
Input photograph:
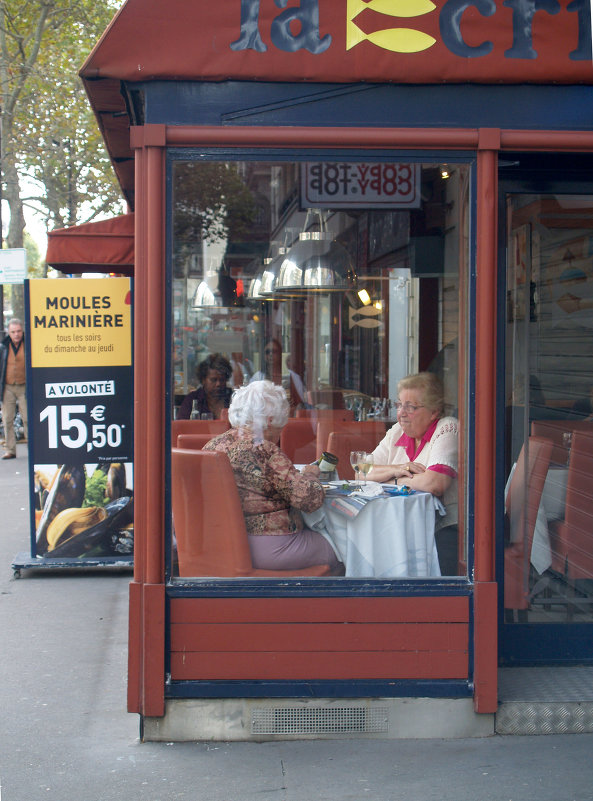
(549, 446)
(334, 281)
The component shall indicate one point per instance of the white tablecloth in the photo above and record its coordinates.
(390, 537)
(554, 494)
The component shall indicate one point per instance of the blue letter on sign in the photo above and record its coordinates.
(523, 13)
(308, 37)
(250, 38)
(450, 25)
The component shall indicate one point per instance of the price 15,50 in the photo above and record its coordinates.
(73, 432)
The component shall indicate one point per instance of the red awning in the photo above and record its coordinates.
(106, 246)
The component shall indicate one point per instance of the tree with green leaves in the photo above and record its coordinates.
(50, 140)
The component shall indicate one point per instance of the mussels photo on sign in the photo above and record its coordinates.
(84, 510)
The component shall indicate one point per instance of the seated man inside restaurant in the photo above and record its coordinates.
(420, 451)
(273, 492)
(213, 395)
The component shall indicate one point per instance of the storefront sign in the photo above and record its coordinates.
(403, 41)
(376, 185)
(406, 26)
(80, 417)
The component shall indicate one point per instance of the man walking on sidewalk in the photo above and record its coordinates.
(12, 383)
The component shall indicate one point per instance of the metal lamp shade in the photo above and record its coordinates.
(316, 263)
(216, 290)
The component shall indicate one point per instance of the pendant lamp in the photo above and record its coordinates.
(218, 289)
(317, 262)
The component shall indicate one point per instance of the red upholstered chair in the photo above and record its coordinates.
(522, 504)
(555, 429)
(572, 538)
(298, 440)
(340, 443)
(193, 442)
(325, 428)
(208, 519)
(211, 427)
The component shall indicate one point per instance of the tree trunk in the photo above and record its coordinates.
(12, 195)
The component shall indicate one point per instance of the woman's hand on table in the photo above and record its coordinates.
(426, 481)
(393, 472)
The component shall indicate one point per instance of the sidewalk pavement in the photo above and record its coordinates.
(65, 734)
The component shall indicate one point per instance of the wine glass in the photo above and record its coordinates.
(355, 457)
(365, 464)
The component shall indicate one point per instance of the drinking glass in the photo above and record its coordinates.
(365, 464)
(355, 457)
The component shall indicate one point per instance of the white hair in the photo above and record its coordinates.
(257, 405)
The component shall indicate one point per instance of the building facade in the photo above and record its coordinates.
(375, 192)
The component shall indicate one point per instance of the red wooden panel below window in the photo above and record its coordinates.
(320, 610)
(319, 637)
(293, 666)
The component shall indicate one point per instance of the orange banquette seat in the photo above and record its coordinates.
(208, 519)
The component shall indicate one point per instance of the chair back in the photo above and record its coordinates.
(298, 440)
(555, 429)
(525, 489)
(193, 442)
(572, 539)
(522, 506)
(325, 428)
(207, 515)
(340, 443)
(211, 427)
(208, 519)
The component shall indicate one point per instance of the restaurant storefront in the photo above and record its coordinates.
(337, 196)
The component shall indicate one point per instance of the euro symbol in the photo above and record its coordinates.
(98, 413)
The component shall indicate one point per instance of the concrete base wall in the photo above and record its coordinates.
(259, 720)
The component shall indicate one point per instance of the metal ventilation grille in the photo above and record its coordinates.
(319, 720)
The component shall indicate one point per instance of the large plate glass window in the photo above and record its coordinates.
(548, 553)
(335, 280)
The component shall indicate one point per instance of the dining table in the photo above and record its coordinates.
(388, 536)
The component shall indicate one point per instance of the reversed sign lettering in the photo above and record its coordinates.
(343, 184)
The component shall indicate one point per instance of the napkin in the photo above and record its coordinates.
(369, 490)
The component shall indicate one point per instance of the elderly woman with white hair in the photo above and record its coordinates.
(273, 492)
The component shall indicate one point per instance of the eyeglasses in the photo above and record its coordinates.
(408, 408)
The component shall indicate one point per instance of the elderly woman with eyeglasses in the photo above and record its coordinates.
(421, 452)
(273, 492)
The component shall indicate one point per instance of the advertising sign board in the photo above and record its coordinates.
(80, 395)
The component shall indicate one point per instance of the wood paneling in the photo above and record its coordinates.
(319, 639)
(318, 610)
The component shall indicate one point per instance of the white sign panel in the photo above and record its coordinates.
(13, 266)
(359, 184)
